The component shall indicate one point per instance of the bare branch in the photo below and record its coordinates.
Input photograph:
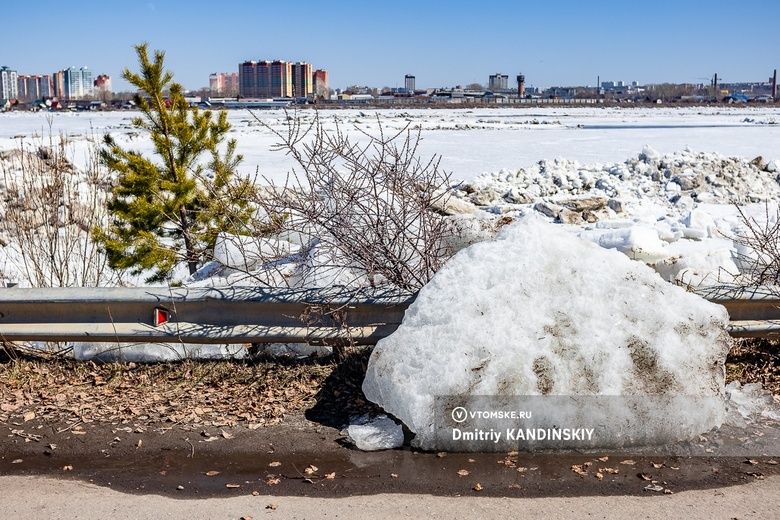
(361, 209)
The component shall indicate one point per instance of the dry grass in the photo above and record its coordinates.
(189, 394)
(755, 361)
(192, 395)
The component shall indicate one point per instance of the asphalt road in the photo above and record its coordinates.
(44, 497)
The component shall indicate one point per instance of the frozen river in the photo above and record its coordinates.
(470, 141)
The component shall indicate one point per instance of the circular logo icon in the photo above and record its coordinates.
(459, 414)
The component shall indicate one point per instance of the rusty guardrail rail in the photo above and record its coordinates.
(222, 315)
(201, 315)
(754, 311)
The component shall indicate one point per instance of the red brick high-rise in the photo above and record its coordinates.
(320, 84)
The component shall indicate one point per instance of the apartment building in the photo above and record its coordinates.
(223, 84)
(9, 83)
(409, 83)
(320, 81)
(498, 81)
(302, 81)
(103, 85)
(77, 83)
(272, 79)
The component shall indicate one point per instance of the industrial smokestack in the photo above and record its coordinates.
(774, 86)
(715, 84)
(520, 86)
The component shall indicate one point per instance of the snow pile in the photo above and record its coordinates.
(706, 177)
(154, 352)
(540, 312)
(654, 208)
(379, 433)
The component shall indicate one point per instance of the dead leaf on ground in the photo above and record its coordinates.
(628, 462)
(17, 461)
(478, 487)
(330, 476)
(212, 473)
(232, 486)
(272, 481)
(311, 469)
(275, 464)
(393, 475)
(579, 470)
(644, 476)
(441, 454)
(654, 487)
(464, 473)
(603, 459)
(657, 464)
(227, 435)
(273, 507)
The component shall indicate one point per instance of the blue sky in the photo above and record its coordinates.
(442, 43)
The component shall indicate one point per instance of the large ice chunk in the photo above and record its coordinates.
(379, 433)
(538, 311)
(637, 242)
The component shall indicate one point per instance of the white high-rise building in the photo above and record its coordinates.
(409, 83)
(498, 81)
(8, 83)
(78, 83)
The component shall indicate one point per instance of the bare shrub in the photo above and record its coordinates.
(360, 209)
(49, 209)
(758, 248)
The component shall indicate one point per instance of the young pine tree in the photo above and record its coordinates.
(170, 210)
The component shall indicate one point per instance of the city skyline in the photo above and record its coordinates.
(442, 45)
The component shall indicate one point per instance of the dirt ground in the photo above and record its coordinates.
(273, 427)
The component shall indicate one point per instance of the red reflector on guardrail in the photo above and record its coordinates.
(161, 316)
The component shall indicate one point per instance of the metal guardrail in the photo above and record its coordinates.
(754, 311)
(224, 315)
(201, 315)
